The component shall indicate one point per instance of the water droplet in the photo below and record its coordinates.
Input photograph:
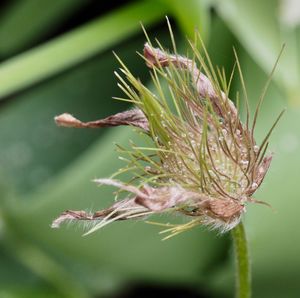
(244, 162)
(254, 185)
(224, 131)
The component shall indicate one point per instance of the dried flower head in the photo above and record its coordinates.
(203, 162)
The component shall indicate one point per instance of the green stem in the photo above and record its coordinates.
(243, 272)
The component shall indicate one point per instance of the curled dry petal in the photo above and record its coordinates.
(122, 186)
(146, 200)
(156, 199)
(262, 170)
(69, 215)
(156, 57)
(67, 120)
(121, 210)
(150, 199)
(225, 210)
(259, 174)
(159, 199)
(134, 117)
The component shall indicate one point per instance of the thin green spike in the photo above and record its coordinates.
(244, 88)
(262, 96)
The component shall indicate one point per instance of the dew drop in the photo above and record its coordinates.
(244, 162)
(254, 185)
(261, 170)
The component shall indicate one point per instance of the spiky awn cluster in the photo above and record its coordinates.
(204, 162)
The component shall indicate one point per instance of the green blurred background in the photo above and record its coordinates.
(56, 56)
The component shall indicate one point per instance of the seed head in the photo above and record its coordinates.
(203, 162)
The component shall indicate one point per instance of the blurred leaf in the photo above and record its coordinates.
(74, 47)
(256, 24)
(30, 154)
(27, 292)
(24, 22)
(194, 14)
(42, 265)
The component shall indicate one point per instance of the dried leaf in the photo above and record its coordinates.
(134, 117)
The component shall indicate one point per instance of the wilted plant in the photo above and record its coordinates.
(203, 163)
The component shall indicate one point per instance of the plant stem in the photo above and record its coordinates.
(243, 272)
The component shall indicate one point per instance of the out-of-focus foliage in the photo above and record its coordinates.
(56, 57)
